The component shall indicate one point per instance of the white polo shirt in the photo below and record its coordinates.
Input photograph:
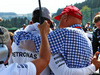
(15, 69)
(21, 56)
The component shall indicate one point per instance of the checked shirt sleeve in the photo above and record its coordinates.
(55, 38)
(22, 35)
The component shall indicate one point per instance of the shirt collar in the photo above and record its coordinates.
(76, 26)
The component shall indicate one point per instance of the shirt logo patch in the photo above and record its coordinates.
(22, 66)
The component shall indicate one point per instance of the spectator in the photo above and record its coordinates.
(85, 29)
(23, 26)
(31, 22)
(96, 34)
(94, 27)
(87, 26)
(34, 67)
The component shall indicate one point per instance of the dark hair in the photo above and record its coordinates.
(96, 19)
(36, 16)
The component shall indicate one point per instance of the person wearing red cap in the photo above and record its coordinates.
(69, 41)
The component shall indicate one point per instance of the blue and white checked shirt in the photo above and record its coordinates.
(71, 42)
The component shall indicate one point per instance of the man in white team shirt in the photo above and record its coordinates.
(21, 55)
(34, 67)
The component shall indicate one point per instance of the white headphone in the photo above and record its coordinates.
(4, 52)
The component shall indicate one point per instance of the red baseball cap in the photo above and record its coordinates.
(98, 13)
(70, 10)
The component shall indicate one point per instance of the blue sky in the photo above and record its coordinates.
(27, 6)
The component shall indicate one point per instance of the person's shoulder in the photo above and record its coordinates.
(10, 70)
(31, 68)
(28, 68)
(61, 31)
(70, 29)
(21, 29)
(32, 27)
(67, 29)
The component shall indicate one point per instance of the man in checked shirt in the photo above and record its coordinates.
(70, 42)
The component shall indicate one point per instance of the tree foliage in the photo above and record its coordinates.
(88, 9)
(14, 22)
(86, 12)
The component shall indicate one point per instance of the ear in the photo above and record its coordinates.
(66, 18)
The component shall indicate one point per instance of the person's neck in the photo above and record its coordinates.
(72, 24)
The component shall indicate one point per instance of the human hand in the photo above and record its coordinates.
(95, 61)
(44, 28)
